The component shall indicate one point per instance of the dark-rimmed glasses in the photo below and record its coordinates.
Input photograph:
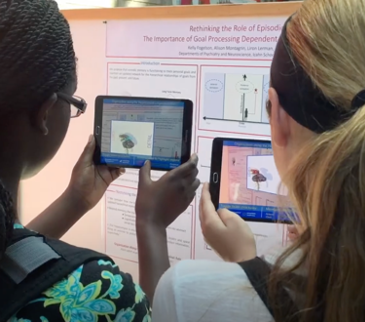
(77, 104)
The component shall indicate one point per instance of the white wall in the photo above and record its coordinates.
(78, 4)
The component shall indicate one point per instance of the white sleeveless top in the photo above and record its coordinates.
(208, 291)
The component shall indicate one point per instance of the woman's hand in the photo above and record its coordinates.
(160, 202)
(226, 232)
(87, 186)
(89, 181)
(293, 233)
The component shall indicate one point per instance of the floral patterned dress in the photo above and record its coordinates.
(96, 292)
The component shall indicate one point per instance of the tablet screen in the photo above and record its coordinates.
(250, 182)
(136, 130)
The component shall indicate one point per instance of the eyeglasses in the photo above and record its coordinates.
(77, 104)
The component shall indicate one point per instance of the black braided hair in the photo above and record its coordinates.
(7, 215)
(37, 57)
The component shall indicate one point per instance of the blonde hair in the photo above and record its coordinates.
(327, 178)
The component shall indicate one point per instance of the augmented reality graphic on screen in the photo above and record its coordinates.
(250, 182)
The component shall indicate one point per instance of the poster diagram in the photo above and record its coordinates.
(233, 100)
(235, 97)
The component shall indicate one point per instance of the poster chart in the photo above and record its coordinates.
(223, 66)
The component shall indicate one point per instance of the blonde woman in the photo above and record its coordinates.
(317, 119)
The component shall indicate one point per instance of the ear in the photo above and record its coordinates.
(279, 121)
(42, 114)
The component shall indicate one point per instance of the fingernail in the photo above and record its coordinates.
(195, 158)
(91, 137)
(121, 171)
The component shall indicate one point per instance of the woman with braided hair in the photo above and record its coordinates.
(6, 218)
(37, 85)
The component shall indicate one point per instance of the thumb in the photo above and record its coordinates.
(194, 158)
(86, 157)
(145, 173)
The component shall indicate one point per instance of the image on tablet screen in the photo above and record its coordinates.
(250, 182)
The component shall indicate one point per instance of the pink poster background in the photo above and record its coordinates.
(193, 39)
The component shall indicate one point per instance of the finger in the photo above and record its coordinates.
(187, 168)
(145, 173)
(201, 202)
(191, 185)
(116, 173)
(292, 229)
(194, 159)
(86, 158)
(205, 193)
(194, 187)
(229, 217)
(190, 179)
(208, 214)
(205, 198)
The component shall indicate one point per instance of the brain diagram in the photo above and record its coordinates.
(128, 141)
(260, 176)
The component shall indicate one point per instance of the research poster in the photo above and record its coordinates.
(223, 67)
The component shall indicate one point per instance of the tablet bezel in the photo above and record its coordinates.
(186, 129)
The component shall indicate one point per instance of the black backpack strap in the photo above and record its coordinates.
(37, 271)
(258, 272)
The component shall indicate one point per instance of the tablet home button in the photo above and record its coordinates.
(215, 177)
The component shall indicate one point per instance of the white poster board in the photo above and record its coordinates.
(223, 67)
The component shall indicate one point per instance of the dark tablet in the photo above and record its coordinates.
(131, 130)
(244, 179)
